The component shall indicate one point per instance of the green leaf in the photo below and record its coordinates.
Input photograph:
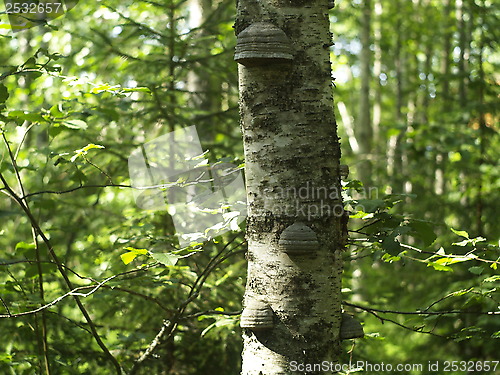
(137, 251)
(90, 146)
(389, 258)
(461, 243)
(371, 205)
(132, 254)
(24, 246)
(4, 93)
(167, 259)
(492, 279)
(32, 270)
(75, 124)
(128, 257)
(476, 270)
(354, 184)
(472, 241)
(30, 63)
(55, 130)
(391, 245)
(423, 230)
(361, 215)
(56, 111)
(460, 233)
(16, 115)
(456, 259)
(137, 89)
(84, 150)
(6, 358)
(34, 117)
(440, 267)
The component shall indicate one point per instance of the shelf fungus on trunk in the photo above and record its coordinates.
(298, 239)
(257, 315)
(350, 328)
(262, 43)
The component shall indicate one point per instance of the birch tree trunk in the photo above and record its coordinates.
(292, 173)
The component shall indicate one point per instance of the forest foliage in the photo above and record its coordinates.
(90, 282)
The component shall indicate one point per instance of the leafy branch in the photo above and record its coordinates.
(37, 229)
(168, 326)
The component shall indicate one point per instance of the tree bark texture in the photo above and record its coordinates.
(292, 157)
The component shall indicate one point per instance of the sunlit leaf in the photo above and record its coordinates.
(75, 124)
(440, 267)
(132, 254)
(166, 259)
(460, 233)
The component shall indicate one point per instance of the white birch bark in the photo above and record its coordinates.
(292, 173)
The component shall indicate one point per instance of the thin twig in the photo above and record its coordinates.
(212, 312)
(74, 189)
(169, 326)
(424, 312)
(37, 228)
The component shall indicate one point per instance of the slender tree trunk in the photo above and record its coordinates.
(441, 159)
(462, 30)
(292, 301)
(446, 63)
(205, 88)
(377, 71)
(364, 126)
(394, 166)
(429, 53)
(348, 127)
(482, 140)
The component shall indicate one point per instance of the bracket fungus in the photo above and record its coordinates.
(257, 315)
(262, 43)
(298, 239)
(350, 328)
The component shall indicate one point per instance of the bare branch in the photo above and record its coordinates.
(169, 326)
(74, 189)
(424, 312)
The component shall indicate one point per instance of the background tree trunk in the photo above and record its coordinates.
(394, 152)
(292, 173)
(377, 71)
(364, 128)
